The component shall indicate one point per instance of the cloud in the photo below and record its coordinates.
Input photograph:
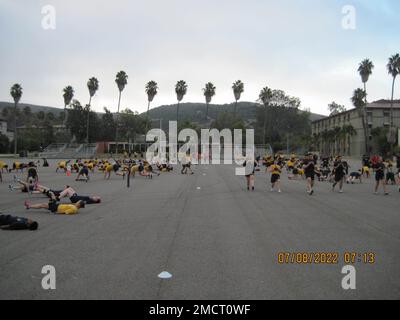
(297, 46)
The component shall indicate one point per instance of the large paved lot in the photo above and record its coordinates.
(218, 242)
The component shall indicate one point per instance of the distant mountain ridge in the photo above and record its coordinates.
(196, 111)
(190, 111)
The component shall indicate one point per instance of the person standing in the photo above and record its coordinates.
(275, 170)
(309, 171)
(379, 169)
(339, 171)
(250, 169)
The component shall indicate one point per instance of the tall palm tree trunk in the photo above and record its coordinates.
(234, 113)
(391, 104)
(116, 125)
(366, 126)
(147, 116)
(177, 115)
(391, 116)
(88, 121)
(265, 124)
(206, 111)
(15, 130)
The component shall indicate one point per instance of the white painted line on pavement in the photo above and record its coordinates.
(165, 275)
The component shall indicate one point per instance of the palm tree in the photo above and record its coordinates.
(121, 79)
(180, 90)
(393, 67)
(209, 92)
(358, 100)
(68, 95)
(93, 86)
(151, 90)
(265, 97)
(365, 70)
(238, 89)
(16, 93)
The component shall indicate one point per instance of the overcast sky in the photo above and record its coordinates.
(298, 46)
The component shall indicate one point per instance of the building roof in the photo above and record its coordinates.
(379, 104)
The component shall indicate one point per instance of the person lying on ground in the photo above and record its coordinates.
(354, 176)
(56, 208)
(70, 193)
(8, 222)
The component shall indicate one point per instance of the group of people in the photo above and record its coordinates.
(83, 168)
(334, 170)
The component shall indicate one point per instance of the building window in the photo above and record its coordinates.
(386, 118)
(369, 118)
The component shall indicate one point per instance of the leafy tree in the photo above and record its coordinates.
(335, 108)
(4, 143)
(108, 125)
(132, 124)
(76, 120)
(227, 120)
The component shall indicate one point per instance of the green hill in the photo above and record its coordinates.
(34, 108)
(196, 112)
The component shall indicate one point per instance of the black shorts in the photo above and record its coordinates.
(379, 176)
(338, 177)
(84, 171)
(390, 176)
(275, 177)
(53, 206)
(116, 167)
(310, 176)
(75, 198)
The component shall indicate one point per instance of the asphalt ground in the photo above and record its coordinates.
(216, 239)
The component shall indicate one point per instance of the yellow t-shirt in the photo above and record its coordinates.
(67, 209)
(3, 165)
(276, 169)
(61, 164)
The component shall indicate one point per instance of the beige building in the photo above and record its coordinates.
(4, 129)
(343, 133)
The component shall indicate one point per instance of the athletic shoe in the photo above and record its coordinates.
(340, 191)
(12, 188)
(311, 192)
(279, 191)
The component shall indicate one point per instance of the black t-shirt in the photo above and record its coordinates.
(309, 167)
(14, 223)
(379, 168)
(339, 168)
